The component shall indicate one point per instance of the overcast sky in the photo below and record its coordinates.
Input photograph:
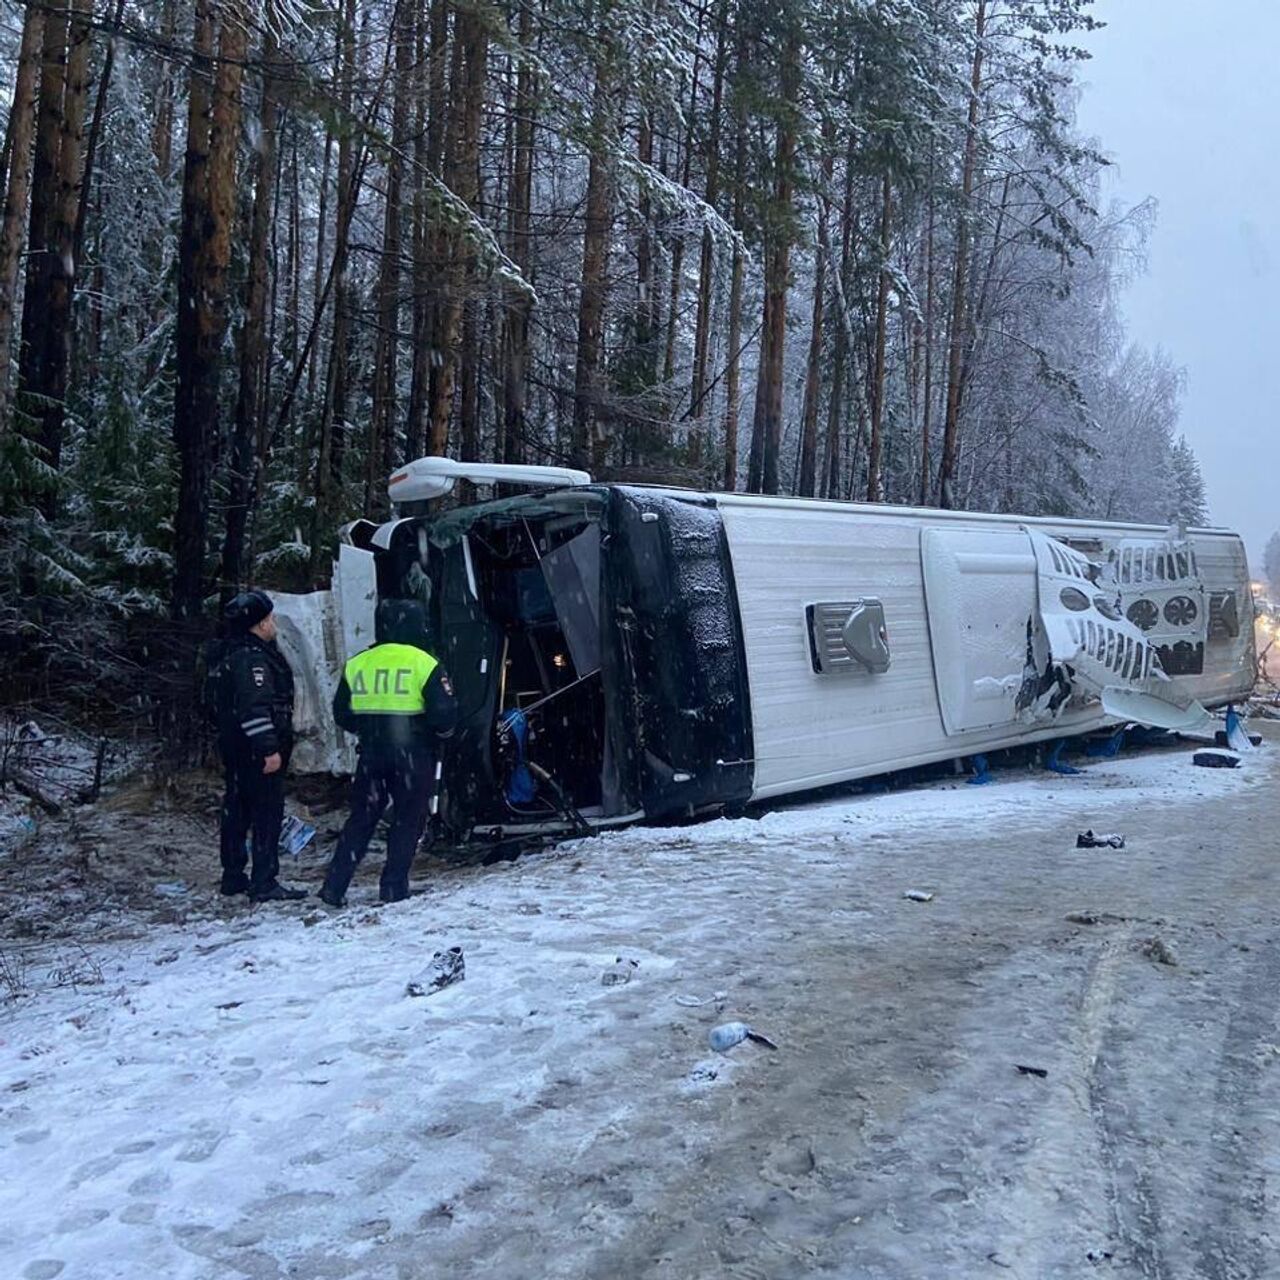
(1184, 96)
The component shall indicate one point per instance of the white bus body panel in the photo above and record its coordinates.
(814, 731)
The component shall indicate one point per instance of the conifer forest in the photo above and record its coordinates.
(255, 254)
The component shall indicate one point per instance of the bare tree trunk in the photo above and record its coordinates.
(733, 371)
(293, 254)
(208, 208)
(930, 291)
(645, 339)
(767, 429)
(469, 390)
(587, 450)
(18, 140)
(50, 328)
(807, 479)
(95, 128)
(415, 427)
(322, 214)
(843, 336)
(706, 261)
(515, 390)
(333, 412)
(382, 421)
(40, 267)
(463, 176)
(162, 125)
(874, 488)
(241, 489)
(959, 289)
(686, 169)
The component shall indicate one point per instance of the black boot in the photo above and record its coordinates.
(233, 886)
(330, 898)
(276, 893)
(394, 891)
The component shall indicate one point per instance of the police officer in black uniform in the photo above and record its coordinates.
(255, 734)
(398, 699)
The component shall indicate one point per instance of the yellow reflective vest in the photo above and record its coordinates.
(389, 680)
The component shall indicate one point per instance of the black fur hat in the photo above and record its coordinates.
(248, 609)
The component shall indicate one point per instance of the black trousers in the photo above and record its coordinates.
(405, 779)
(253, 803)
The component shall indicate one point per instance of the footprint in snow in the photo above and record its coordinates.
(43, 1269)
(81, 1220)
(93, 1170)
(151, 1184)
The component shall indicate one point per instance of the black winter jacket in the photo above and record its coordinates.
(255, 715)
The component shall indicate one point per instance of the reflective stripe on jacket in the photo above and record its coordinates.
(389, 679)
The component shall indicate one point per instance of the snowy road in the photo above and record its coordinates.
(253, 1093)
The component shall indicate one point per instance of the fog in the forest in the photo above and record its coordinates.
(1186, 99)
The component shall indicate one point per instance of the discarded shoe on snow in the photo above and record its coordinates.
(1087, 840)
(447, 967)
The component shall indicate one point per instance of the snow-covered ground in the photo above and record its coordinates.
(253, 1093)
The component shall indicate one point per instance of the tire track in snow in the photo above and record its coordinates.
(1131, 1198)
(1234, 1244)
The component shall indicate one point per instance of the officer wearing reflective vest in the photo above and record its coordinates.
(398, 699)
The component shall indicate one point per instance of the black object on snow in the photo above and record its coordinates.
(1039, 1072)
(1087, 840)
(1215, 760)
(1220, 739)
(278, 893)
(447, 967)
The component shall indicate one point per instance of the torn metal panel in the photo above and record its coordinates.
(1024, 627)
(1087, 633)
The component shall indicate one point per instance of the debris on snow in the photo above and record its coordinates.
(728, 1034)
(295, 835)
(447, 967)
(696, 1002)
(918, 895)
(702, 1074)
(619, 973)
(1215, 759)
(1088, 840)
(1039, 1072)
(1157, 950)
(1095, 917)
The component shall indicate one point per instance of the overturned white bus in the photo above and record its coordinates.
(624, 653)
